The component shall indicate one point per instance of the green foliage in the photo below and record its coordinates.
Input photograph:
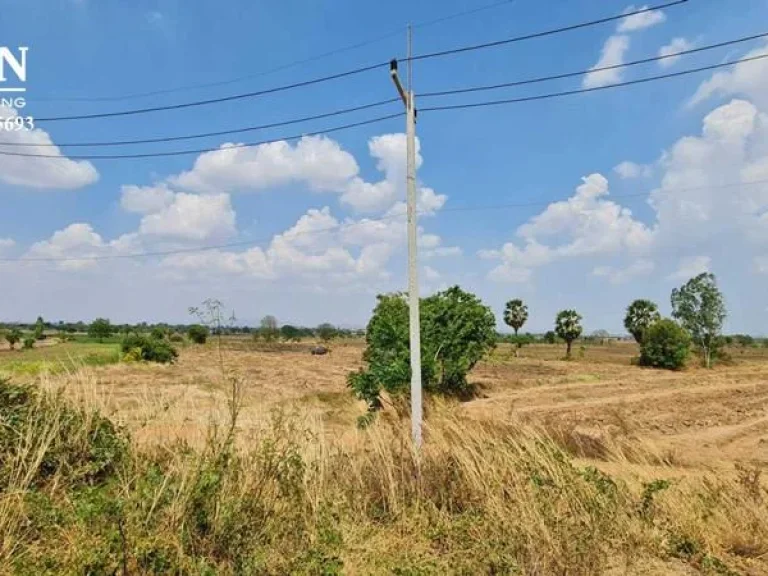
(550, 337)
(12, 337)
(457, 330)
(157, 333)
(515, 314)
(568, 327)
(198, 333)
(39, 328)
(641, 315)
(666, 345)
(28, 343)
(141, 347)
(290, 333)
(269, 329)
(699, 306)
(326, 332)
(176, 338)
(100, 329)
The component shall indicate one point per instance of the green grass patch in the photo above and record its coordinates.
(57, 358)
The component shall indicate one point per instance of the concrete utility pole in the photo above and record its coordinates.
(413, 271)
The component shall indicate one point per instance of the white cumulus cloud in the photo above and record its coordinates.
(642, 20)
(612, 54)
(669, 51)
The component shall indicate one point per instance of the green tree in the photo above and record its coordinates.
(100, 329)
(198, 333)
(326, 332)
(568, 327)
(641, 315)
(269, 329)
(699, 306)
(290, 333)
(39, 328)
(148, 349)
(29, 343)
(515, 316)
(12, 337)
(457, 330)
(157, 333)
(550, 337)
(665, 345)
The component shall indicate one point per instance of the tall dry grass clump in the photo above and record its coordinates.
(78, 496)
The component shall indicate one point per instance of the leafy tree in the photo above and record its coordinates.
(699, 306)
(100, 329)
(198, 333)
(269, 329)
(290, 333)
(157, 333)
(457, 330)
(568, 327)
(550, 337)
(641, 315)
(326, 332)
(744, 340)
(518, 341)
(148, 349)
(39, 328)
(29, 343)
(515, 316)
(12, 337)
(665, 345)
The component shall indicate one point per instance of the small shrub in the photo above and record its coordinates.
(157, 333)
(666, 345)
(198, 334)
(28, 343)
(140, 347)
(176, 338)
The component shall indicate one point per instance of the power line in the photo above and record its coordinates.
(434, 94)
(220, 100)
(387, 117)
(592, 70)
(354, 71)
(204, 150)
(545, 33)
(587, 90)
(282, 67)
(486, 207)
(210, 134)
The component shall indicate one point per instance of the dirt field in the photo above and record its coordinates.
(691, 419)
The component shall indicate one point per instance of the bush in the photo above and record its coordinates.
(666, 345)
(28, 343)
(198, 334)
(457, 330)
(140, 347)
(176, 337)
(157, 333)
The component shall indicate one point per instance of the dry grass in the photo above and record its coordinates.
(587, 467)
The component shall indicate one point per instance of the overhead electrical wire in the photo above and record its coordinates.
(387, 117)
(303, 119)
(251, 243)
(354, 71)
(280, 68)
(204, 150)
(587, 90)
(565, 75)
(433, 94)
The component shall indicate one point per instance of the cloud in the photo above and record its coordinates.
(612, 54)
(638, 268)
(430, 273)
(316, 161)
(640, 21)
(584, 225)
(6, 243)
(154, 18)
(507, 274)
(77, 240)
(749, 79)
(58, 173)
(676, 46)
(192, 217)
(691, 267)
(147, 199)
(630, 170)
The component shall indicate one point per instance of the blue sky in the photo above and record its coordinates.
(689, 140)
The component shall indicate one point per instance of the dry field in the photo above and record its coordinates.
(305, 492)
(692, 419)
